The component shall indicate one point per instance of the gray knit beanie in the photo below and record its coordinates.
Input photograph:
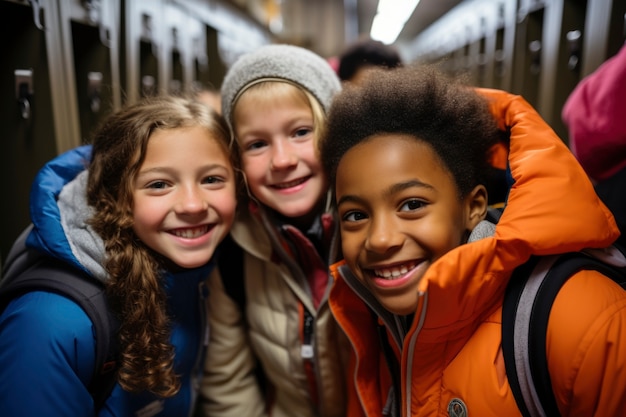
(283, 62)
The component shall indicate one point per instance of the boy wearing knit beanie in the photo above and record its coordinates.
(275, 101)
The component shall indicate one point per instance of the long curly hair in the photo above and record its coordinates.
(135, 289)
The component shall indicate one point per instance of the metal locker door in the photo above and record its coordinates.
(177, 26)
(34, 124)
(605, 32)
(527, 65)
(217, 67)
(504, 44)
(144, 61)
(90, 33)
(566, 47)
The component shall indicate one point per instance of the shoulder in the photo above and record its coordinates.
(586, 340)
(41, 319)
(48, 307)
(46, 317)
(46, 329)
(588, 296)
(587, 302)
(47, 351)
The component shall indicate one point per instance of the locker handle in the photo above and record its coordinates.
(34, 4)
(574, 38)
(105, 36)
(499, 58)
(94, 88)
(535, 56)
(24, 91)
(24, 108)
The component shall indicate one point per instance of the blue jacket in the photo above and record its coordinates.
(47, 345)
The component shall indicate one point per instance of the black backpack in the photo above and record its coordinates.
(526, 309)
(45, 273)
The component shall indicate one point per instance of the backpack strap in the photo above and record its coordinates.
(526, 309)
(49, 274)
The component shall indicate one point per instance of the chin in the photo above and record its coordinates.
(297, 209)
(191, 264)
(399, 309)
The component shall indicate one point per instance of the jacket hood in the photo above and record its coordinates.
(59, 213)
(552, 208)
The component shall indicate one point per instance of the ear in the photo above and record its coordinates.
(476, 206)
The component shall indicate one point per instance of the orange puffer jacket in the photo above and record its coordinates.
(450, 358)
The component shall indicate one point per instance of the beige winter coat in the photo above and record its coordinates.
(271, 332)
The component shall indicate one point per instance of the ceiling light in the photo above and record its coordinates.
(390, 18)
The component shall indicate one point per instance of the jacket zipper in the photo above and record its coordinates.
(308, 350)
(410, 349)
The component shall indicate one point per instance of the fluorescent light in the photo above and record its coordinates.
(390, 18)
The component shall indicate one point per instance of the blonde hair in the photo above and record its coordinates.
(135, 288)
(275, 89)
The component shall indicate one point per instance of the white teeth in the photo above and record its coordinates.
(395, 272)
(190, 233)
(289, 184)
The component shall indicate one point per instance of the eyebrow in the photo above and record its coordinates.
(395, 188)
(408, 184)
(169, 170)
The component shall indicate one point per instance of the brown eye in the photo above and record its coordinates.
(413, 204)
(353, 216)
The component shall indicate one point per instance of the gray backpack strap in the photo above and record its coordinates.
(29, 270)
(521, 331)
(526, 309)
(19, 258)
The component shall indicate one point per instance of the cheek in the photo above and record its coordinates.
(145, 213)
(145, 221)
(350, 244)
(253, 167)
(442, 236)
(226, 204)
(254, 170)
(310, 157)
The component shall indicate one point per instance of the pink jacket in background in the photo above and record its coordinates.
(595, 114)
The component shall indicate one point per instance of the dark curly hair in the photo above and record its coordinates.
(420, 102)
(135, 288)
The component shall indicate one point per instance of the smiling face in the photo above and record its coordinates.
(275, 132)
(184, 195)
(399, 211)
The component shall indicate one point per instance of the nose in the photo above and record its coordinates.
(383, 235)
(191, 201)
(283, 156)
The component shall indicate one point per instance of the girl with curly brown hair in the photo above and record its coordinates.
(142, 210)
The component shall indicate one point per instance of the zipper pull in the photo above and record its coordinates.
(307, 346)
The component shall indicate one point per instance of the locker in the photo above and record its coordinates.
(175, 34)
(144, 56)
(605, 32)
(212, 76)
(90, 35)
(527, 61)
(477, 36)
(548, 55)
(35, 124)
(568, 50)
(504, 44)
